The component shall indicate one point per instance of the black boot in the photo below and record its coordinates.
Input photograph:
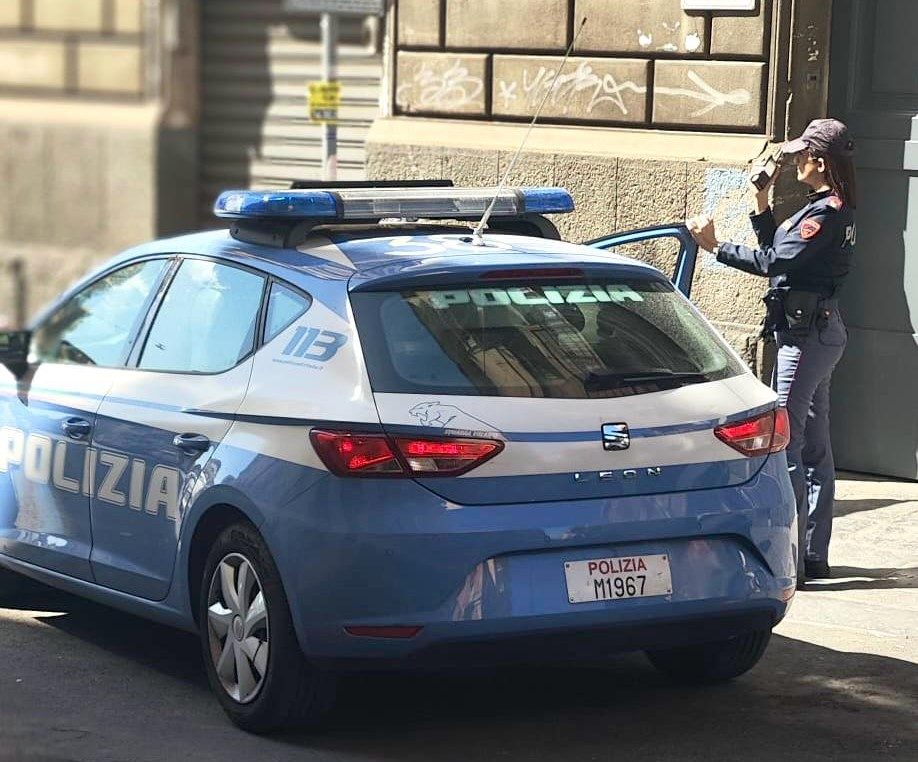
(816, 570)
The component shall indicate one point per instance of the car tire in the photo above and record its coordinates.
(712, 662)
(251, 653)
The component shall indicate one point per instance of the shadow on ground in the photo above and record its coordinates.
(845, 507)
(802, 702)
(855, 578)
(169, 651)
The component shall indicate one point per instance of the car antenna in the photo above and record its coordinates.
(477, 237)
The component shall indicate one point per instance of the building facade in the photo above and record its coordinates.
(96, 141)
(121, 120)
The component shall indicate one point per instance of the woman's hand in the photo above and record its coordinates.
(702, 230)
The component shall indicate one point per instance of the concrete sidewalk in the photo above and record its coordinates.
(871, 603)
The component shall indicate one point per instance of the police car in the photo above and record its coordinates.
(348, 432)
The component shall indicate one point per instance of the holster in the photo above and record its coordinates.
(789, 310)
(774, 312)
(800, 309)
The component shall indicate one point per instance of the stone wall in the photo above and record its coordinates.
(72, 47)
(77, 143)
(82, 185)
(635, 62)
(97, 137)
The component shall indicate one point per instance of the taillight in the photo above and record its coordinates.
(446, 457)
(781, 437)
(349, 454)
(757, 436)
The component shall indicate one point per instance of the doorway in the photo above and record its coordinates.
(874, 89)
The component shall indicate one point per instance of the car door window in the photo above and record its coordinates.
(284, 306)
(207, 320)
(669, 248)
(97, 325)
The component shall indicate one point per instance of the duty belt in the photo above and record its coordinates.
(795, 309)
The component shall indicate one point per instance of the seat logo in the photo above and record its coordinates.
(615, 436)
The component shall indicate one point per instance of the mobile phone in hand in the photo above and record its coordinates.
(762, 174)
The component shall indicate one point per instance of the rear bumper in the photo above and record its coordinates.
(559, 639)
(489, 581)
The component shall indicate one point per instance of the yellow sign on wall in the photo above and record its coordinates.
(324, 100)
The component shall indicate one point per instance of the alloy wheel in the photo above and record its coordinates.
(237, 621)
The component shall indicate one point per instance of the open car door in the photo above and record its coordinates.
(670, 248)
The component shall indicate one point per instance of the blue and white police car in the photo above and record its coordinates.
(349, 433)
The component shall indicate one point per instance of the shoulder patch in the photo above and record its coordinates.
(809, 229)
(835, 202)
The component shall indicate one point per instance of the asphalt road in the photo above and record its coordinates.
(83, 682)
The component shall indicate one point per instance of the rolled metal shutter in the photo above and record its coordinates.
(256, 62)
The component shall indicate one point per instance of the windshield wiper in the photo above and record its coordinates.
(607, 379)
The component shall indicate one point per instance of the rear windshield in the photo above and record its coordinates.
(599, 339)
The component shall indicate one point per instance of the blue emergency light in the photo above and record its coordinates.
(373, 204)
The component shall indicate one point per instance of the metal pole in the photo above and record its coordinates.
(17, 270)
(330, 74)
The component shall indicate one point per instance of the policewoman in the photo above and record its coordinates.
(807, 259)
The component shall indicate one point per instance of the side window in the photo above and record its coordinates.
(96, 326)
(206, 323)
(284, 306)
(662, 252)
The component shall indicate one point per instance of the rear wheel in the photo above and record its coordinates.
(252, 656)
(712, 662)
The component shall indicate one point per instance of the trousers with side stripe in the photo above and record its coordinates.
(803, 374)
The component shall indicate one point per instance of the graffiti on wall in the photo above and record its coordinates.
(585, 91)
(581, 92)
(708, 96)
(445, 87)
(724, 192)
(589, 94)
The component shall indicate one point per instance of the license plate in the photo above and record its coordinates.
(609, 579)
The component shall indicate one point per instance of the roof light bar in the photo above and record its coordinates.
(346, 204)
(276, 205)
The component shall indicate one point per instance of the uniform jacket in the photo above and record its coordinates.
(810, 251)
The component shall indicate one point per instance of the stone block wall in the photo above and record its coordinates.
(83, 186)
(92, 48)
(81, 143)
(635, 62)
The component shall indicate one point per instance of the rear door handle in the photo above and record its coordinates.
(76, 428)
(191, 442)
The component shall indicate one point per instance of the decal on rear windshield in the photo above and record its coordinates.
(442, 416)
(530, 295)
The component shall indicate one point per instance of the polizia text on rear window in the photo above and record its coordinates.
(560, 340)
